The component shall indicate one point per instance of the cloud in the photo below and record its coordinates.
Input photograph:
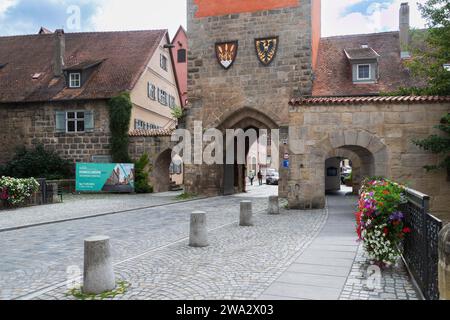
(138, 14)
(27, 16)
(362, 16)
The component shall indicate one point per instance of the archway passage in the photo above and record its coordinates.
(235, 176)
(167, 173)
(367, 153)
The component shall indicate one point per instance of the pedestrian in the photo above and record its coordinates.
(260, 178)
(251, 177)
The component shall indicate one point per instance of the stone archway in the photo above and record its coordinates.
(356, 165)
(307, 190)
(160, 177)
(233, 175)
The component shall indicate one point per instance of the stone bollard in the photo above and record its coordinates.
(98, 267)
(444, 263)
(274, 206)
(246, 218)
(199, 234)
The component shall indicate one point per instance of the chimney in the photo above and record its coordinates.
(404, 31)
(59, 51)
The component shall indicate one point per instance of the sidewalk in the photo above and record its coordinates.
(335, 266)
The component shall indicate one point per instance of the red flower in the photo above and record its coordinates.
(406, 230)
(386, 231)
(386, 192)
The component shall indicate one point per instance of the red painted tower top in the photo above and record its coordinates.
(209, 8)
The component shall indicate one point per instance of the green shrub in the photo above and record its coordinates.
(142, 169)
(38, 163)
(119, 125)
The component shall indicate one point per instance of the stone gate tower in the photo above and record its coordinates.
(251, 93)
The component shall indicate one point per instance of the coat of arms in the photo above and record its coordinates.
(266, 49)
(226, 53)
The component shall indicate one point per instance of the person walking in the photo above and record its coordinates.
(251, 177)
(260, 178)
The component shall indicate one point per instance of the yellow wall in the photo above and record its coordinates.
(149, 110)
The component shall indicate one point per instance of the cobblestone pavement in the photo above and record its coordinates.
(37, 257)
(362, 284)
(78, 206)
(239, 264)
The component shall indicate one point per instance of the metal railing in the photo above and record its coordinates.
(421, 245)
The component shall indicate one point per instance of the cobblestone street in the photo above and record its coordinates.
(296, 255)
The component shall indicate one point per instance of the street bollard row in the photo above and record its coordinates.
(98, 265)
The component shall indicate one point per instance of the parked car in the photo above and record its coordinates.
(272, 178)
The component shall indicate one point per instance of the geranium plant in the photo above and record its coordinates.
(16, 191)
(380, 224)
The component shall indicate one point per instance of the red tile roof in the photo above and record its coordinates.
(151, 133)
(367, 100)
(123, 57)
(333, 75)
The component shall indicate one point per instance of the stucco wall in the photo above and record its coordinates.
(379, 134)
(149, 110)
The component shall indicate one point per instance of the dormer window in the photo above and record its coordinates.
(74, 80)
(364, 64)
(364, 72)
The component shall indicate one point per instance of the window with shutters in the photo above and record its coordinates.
(181, 55)
(74, 121)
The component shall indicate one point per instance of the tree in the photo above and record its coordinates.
(439, 144)
(428, 62)
(142, 169)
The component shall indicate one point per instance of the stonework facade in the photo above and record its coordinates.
(216, 95)
(379, 136)
(31, 124)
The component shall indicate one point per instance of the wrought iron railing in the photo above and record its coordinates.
(421, 245)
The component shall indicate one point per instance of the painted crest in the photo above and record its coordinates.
(266, 49)
(226, 53)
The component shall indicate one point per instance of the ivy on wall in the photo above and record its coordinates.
(119, 125)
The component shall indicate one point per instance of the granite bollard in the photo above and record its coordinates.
(199, 233)
(274, 206)
(98, 266)
(246, 217)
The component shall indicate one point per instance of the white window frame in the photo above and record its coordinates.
(163, 62)
(72, 80)
(370, 71)
(164, 94)
(76, 120)
(152, 91)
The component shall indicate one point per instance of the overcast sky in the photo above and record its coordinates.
(27, 16)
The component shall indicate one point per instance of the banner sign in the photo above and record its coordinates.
(105, 177)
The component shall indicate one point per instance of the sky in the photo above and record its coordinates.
(27, 16)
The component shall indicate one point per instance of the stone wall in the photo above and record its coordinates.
(380, 135)
(159, 150)
(216, 94)
(34, 123)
